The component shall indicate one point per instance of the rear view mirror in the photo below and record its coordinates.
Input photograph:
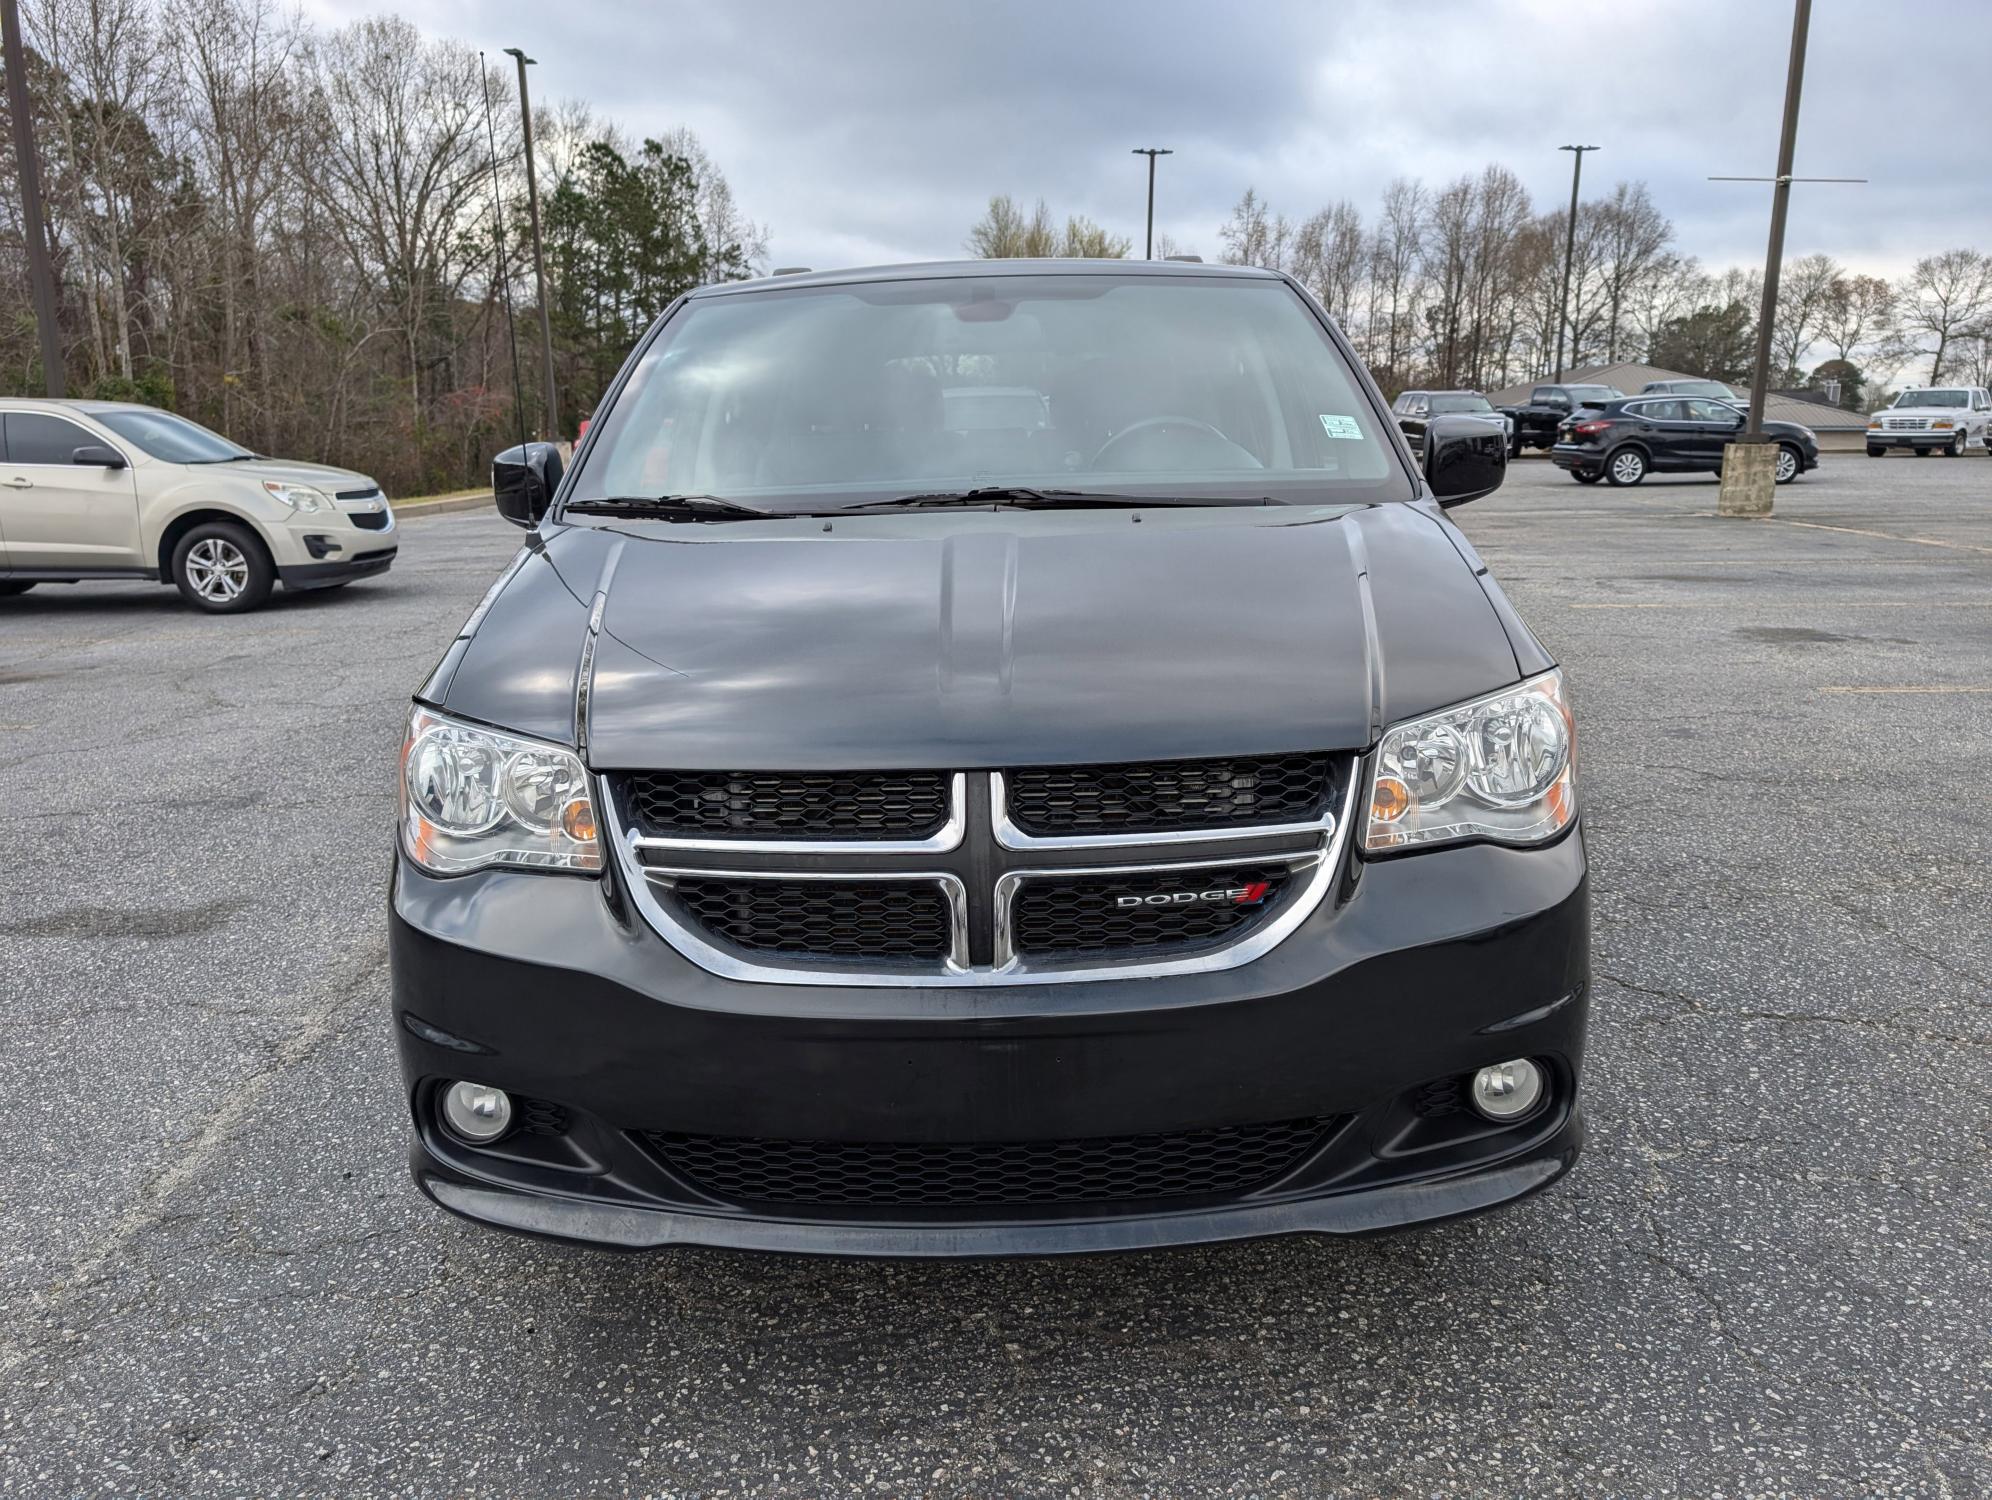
(523, 480)
(1465, 459)
(98, 456)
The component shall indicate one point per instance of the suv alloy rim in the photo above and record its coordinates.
(217, 569)
(1787, 465)
(1627, 468)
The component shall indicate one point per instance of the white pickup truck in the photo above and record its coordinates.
(1945, 419)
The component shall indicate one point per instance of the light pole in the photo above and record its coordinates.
(41, 274)
(1151, 152)
(1569, 254)
(550, 428)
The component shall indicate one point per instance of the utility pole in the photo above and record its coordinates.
(41, 274)
(1569, 254)
(504, 270)
(1749, 467)
(1151, 152)
(549, 428)
(1760, 377)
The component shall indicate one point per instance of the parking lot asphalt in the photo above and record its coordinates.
(1769, 1275)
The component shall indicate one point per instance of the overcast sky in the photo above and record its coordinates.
(863, 131)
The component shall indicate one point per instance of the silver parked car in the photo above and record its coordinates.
(110, 490)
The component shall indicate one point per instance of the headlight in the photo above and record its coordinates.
(472, 797)
(1498, 768)
(298, 497)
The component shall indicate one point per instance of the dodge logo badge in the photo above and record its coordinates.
(1233, 895)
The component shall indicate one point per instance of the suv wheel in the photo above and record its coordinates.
(1874, 452)
(1955, 448)
(1789, 463)
(1627, 466)
(223, 568)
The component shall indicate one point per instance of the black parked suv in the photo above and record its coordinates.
(1624, 441)
(868, 818)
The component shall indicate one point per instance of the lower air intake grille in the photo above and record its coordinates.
(819, 918)
(1165, 796)
(789, 805)
(1127, 915)
(368, 520)
(1117, 1169)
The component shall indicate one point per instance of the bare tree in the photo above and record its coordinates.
(1855, 310)
(1255, 235)
(1943, 298)
(1328, 258)
(1805, 286)
(1631, 237)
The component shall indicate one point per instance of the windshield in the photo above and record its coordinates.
(172, 438)
(1932, 398)
(813, 398)
(1445, 405)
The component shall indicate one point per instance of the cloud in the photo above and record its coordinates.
(877, 131)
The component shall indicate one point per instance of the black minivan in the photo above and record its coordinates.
(993, 758)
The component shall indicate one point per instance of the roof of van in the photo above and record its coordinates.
(941, 270)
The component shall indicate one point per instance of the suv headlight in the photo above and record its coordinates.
(298, 497)
(1499, 768)
(472, 797)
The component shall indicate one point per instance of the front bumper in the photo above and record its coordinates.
(325, 575)
(1418, 968)
(1914, 439)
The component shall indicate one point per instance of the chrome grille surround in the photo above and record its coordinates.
(1310, 852)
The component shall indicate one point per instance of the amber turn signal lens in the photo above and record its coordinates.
(1390, 799)
(577, 821)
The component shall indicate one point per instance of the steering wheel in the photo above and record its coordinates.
(1227, 453)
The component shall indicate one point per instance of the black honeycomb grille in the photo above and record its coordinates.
(1166, 795)
(1083, 913)
(368, 520)
(789, 805)
(820, 918)
(1200, 1163)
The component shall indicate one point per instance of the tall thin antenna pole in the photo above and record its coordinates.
(539, 257)
(34, 227)
(504, 273)
(1760, 375)
(1151, 152)
(1569, 255)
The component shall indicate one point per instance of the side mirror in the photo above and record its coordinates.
(98, 455)
(1465, 459)
(523, 480)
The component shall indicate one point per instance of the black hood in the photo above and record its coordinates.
(985, 639)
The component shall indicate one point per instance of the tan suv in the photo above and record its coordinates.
(109, 490)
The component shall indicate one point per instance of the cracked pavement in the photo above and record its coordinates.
(1769, 1276)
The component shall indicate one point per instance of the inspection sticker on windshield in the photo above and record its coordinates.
(1340, 427)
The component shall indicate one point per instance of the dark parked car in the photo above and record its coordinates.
(854, 825)
(1624, 441)
(1415, 409)
(1548, 407)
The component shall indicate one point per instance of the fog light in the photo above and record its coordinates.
(1508, 1090)
(477, 1112)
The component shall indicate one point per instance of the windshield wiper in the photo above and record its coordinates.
(1024, 498)
(667, 507)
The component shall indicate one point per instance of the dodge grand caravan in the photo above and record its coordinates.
(1005, 758)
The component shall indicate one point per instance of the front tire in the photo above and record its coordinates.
(1955, 448)
(223, 568)
(1627, 466)
(1790, 463)
(1877, 452)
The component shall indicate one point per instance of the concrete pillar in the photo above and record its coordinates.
(1749, 479)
